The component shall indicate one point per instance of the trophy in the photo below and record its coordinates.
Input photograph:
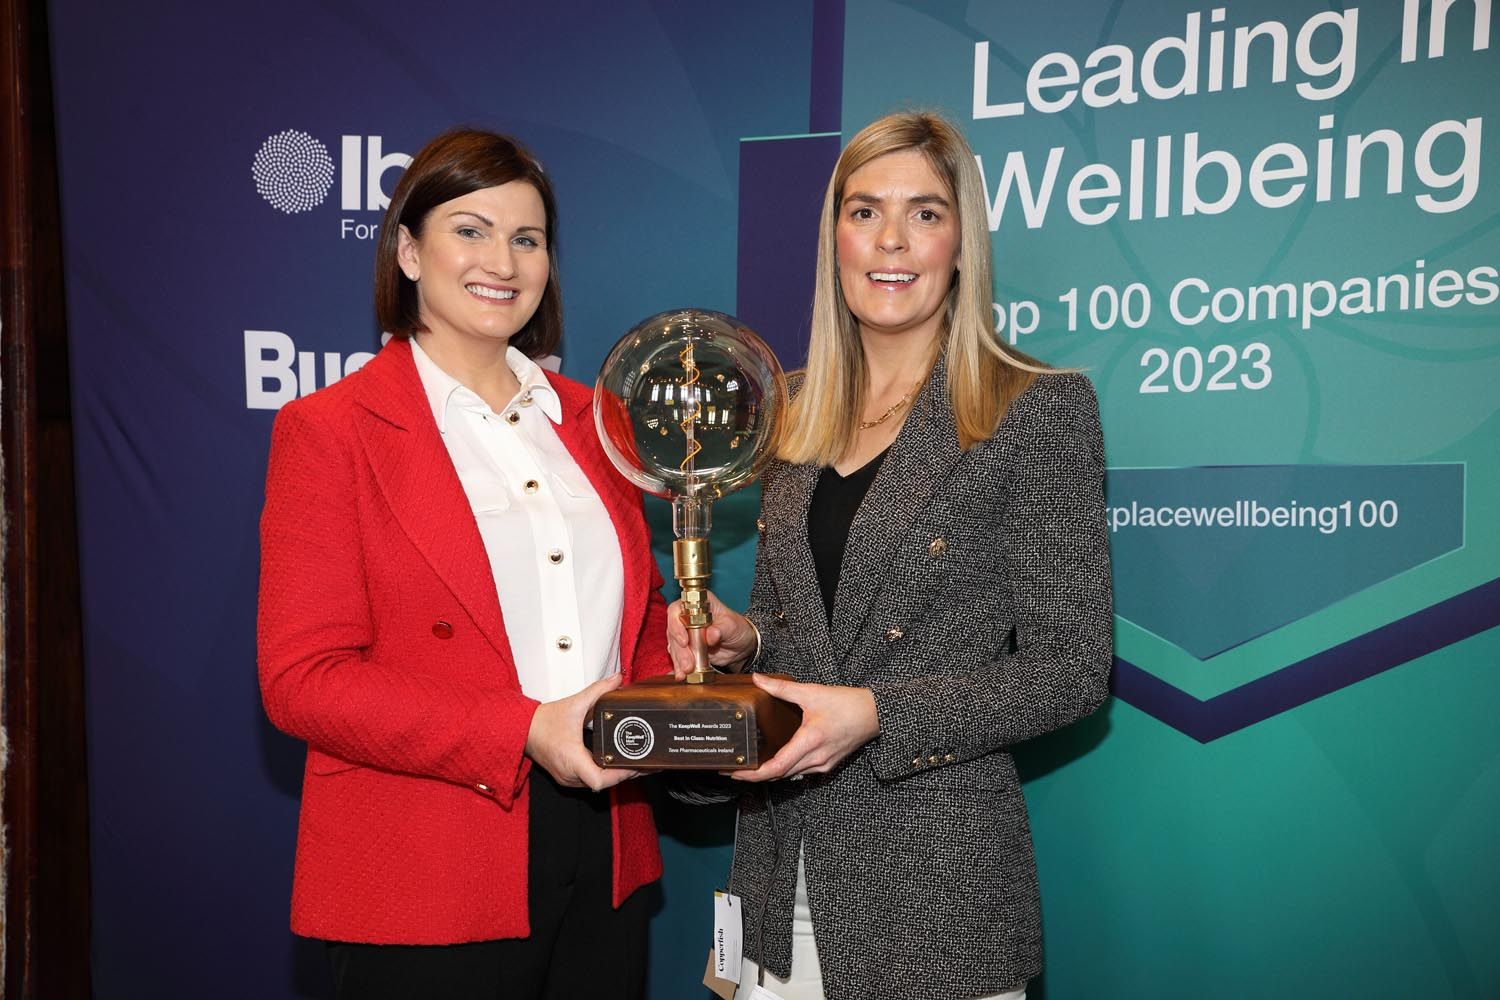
(687, 406)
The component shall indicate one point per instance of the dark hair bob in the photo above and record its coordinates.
(456, 163)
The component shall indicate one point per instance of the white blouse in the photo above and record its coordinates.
(551, 544)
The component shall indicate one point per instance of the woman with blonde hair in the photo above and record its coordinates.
(934, 572)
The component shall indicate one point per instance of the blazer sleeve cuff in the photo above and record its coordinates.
(910, 741)
(506, 778)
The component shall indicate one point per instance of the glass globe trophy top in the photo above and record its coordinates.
(687, 406)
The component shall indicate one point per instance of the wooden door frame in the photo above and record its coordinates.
(45, 802)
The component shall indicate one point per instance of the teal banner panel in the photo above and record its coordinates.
(1270, 234)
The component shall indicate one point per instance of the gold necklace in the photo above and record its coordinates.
(865, 425)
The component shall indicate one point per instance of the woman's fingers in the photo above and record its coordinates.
(679, 640)
(581, 705)
(786, 763)
(836, 721)
(571, 764)
(555, 741)
(786, 690)
(592, 776)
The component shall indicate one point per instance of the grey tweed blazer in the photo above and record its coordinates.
(974, 601)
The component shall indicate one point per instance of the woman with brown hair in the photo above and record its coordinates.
(933, 572)
(452, 572)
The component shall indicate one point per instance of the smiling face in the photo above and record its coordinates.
(480, 264)
(898, 239)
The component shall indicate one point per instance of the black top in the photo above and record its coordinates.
(830, 513)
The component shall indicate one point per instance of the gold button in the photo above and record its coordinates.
(760, 525)
(555, 556)
(526, 400)
(933, 759)
(892, 634)
(937, 547)
(564, 642)
(916, 762)
(532, 486)
(949, 758)
(512, 417)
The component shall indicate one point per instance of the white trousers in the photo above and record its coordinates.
(806, 980)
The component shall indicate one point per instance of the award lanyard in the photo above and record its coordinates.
(765, 899)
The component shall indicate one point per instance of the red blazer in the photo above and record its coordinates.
(382, 644)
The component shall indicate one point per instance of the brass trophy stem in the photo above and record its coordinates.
(690, 555)
(690, 564)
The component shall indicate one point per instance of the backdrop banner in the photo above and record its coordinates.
(1265, 232)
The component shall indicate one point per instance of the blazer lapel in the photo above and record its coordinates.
(416, 476)
(918, 464)
(622, 500)
(785, 498)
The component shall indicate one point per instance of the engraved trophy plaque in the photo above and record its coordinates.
(687, 406)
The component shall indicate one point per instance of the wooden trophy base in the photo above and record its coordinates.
(663, 724)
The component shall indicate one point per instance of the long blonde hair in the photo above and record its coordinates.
(984, 375)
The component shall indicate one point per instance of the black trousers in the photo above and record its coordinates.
(580, 945)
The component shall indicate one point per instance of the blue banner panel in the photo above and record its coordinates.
(224, 171)
(782, 180)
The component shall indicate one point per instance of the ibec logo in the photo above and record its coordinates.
(277, 373)
(295, 172)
